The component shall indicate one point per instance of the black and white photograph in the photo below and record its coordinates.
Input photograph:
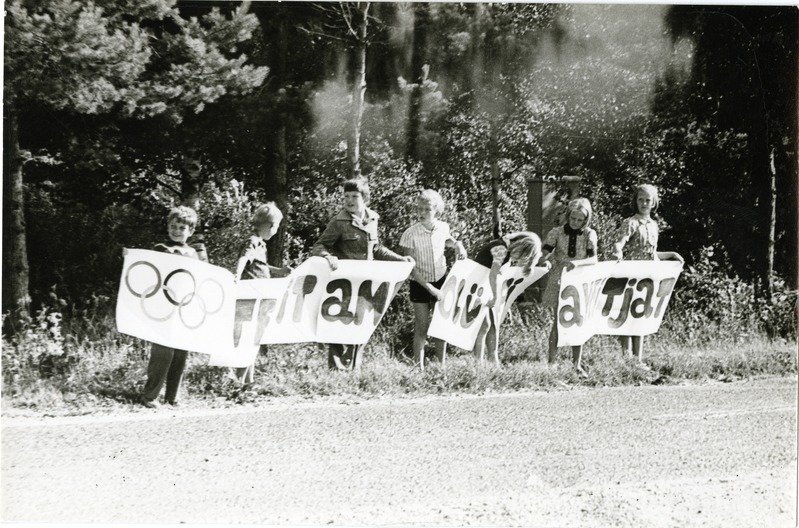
(439, 264)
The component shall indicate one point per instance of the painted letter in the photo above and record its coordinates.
(569, 315)
(643, 307)
(342, 314)
(376, 302)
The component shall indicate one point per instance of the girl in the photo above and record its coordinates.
(522, 249)
(637, 239)
(567, 246)
(426, 241)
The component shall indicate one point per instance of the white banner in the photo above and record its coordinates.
(176, 301)
(317, 304)
(614, 298)
(187, 304)
(458, 316)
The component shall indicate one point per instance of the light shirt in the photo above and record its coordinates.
(427, 246)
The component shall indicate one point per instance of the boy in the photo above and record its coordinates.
(427, 241)
(352, 234)
(252, 263)
(166, 364)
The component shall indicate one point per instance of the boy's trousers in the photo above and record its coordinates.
(166, 366)
(344, 357)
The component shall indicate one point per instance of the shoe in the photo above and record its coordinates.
(174, 403)
(150, 404)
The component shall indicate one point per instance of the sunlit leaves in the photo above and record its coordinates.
(87, 58)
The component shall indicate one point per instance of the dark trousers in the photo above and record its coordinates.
(165, 367)
(344, 357)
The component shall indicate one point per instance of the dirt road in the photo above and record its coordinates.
(703, 455)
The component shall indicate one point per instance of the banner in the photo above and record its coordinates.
(457, 317)
(200, 307)
(176, 301)
(614, 298)
(315, 303)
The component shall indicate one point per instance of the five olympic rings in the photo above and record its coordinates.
(171, 296)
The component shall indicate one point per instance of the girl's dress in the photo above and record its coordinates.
(566, 245)
(642, 238)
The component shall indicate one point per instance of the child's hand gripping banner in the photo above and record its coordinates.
(614, 298)
(458, 316)
(176, 301)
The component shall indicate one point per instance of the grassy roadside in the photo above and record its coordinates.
(55, 371)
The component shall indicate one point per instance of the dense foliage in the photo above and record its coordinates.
(109, 104)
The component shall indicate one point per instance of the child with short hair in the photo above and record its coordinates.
(352, 234)
(426, 241)
(568, 246)
(522, 248)
(253, 264)
(637, 239)
(166, 364)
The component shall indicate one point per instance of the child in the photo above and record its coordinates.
(352, 234)
(522, 249)
(426, 241)
(638, 238)
(570, 245)
(166, 364)
(253, 264)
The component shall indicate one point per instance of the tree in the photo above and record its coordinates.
(138, 61)
(743, 82)
(349, 22)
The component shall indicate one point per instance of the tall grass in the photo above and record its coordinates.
(83, 365)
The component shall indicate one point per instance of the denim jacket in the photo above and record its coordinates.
(348, 237)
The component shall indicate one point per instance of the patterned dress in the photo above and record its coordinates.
(642, 238)
(566, 245)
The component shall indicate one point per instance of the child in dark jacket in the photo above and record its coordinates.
(352, 234)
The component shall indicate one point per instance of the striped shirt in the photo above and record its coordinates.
(426, 246)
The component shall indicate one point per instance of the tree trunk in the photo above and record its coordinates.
(418, 75)
(497, 216)
(358, 93)
(278, 190)
(17, 300)
(770, 228)
(190, 185)
(190, 180)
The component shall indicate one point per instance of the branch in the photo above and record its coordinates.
(167, 186)
(322, 34)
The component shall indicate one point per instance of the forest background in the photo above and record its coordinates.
(113, 112)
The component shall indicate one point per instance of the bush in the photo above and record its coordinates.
(710, 305)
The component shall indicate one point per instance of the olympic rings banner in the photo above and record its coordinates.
(614, 298)
(458, 316)
(176, 301)
(187, 304)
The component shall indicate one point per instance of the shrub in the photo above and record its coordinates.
(710, 304)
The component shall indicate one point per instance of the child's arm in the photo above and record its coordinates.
(325, 242)
(548, 247)
(581, 262)
(621, 240)
(277, 272)
(240, 265)
(381, 252)
(451, 242)
(493, 278)
(669, 255)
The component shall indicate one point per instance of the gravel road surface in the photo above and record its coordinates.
(694, 455)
